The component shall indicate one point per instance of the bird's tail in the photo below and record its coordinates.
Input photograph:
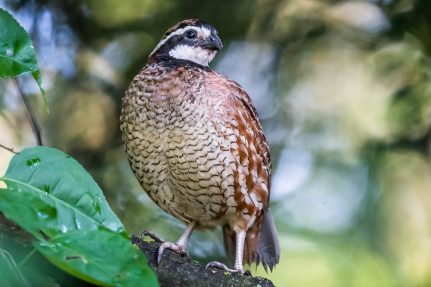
(268, 250)
(261, 242)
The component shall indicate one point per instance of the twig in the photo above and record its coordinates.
(8, 149)
(30, 114)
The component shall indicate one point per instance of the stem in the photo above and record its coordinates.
(30, 114)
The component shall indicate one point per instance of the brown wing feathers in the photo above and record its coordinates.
(261, 244)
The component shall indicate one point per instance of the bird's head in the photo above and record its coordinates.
(192, 40)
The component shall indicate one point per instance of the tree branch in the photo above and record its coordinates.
(177, 270)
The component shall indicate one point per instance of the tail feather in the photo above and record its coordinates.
(261, 242)
(252, 241)
(268, 249)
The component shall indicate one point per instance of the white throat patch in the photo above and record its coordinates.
(195, 54)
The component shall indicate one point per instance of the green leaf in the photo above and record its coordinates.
(17, 55)
(50, 195)
(109, 258)
(38, 79)
(55, 186)
(40, 213)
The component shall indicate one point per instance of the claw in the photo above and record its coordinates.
(151, 235)
(180, 249)
(219, 265)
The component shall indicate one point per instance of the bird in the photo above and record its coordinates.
(195, 143)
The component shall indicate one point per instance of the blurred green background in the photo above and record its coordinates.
(343, 89)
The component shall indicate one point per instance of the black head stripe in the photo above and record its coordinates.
(185, 23)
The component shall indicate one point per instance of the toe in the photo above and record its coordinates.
(219, 265)
(169, 245)
(151, 235)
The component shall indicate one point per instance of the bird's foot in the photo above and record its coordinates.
(151, 235)
(178, 248)
(219, 265)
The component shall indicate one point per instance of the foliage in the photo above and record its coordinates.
(17, 55)
(50, 195)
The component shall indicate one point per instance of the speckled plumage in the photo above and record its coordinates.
(195, 144)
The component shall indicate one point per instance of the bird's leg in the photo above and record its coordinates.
(179, 247)
(239, 253)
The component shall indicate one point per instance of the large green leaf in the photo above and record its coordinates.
(17, 55)
(50, 195)
(41, 214)
(112, 261)
(49, 178)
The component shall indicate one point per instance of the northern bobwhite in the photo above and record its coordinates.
(195, 144)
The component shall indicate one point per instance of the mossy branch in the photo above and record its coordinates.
(177, 270)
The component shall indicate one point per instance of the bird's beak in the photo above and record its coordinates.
(213, 43)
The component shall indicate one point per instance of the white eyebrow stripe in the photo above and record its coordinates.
(200, 30)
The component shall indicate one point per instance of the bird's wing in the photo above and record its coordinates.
(243, 102)
(250, 148)
(243, 113)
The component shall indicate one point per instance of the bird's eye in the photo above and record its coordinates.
(191, 34)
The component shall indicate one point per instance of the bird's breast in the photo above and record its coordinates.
(176, 151)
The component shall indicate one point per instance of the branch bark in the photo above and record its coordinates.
(177, 270)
